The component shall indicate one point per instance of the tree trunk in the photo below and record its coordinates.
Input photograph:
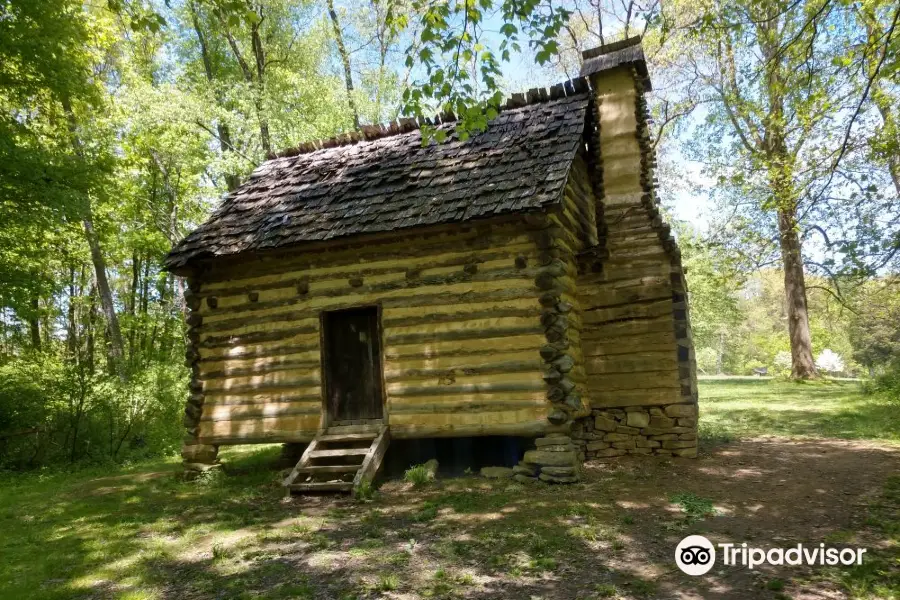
(34, 324)
(144, 307)
(256, 81)
(803, 365)
(76, 422)
(880, 97)
(781, 184)
(224, 132)
(91, 321)
(885, 109)
(345, 59)
(132, 295)
(117, 352)
(71, 319)
(259, 56)
(780, 163)
(384, 12)
(116, 345)
(720, 354)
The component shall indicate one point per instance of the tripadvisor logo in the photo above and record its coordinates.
(696, 555)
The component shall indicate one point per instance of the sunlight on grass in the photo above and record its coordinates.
(741, 408)
(143, 533)
(879, 575)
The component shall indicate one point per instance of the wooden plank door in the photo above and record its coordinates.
(352, 364)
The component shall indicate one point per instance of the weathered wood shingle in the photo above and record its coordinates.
(624, 53)
(520, 163)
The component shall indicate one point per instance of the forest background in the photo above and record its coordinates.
(124, 122)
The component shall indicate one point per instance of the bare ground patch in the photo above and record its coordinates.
(612, 536)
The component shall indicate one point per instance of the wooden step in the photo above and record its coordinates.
(322, 486)
(348, 437)
(339, 452)
(353, 429)
(378, 438)
(329, 469)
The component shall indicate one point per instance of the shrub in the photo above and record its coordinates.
(783, 363)
(887, 383)
(55, 411)
(36, 397)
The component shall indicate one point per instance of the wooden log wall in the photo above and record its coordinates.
(635, 336)
(461, 332)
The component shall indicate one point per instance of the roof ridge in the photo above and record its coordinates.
(627, 52)
(634, 40)
(571, 87)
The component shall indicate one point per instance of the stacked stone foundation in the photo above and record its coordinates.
(554, 459)
(655, 430)
(198, 458)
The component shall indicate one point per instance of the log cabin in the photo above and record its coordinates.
(520, 282)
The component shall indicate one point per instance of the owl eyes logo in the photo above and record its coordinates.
(695, 555)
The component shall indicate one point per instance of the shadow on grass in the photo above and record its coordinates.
(147, 535)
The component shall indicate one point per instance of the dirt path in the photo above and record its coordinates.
(615, 534)
(767, 492)
(612, 536)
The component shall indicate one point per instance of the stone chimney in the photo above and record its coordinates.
(638, 347)
(619, 78)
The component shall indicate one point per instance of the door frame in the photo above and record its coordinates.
(324, 361)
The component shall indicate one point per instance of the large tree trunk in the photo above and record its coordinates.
(803, 365)
(345, 60)
(781, 184)
(780, 163)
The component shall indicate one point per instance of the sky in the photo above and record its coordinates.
(521, 73)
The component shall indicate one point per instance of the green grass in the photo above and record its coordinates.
(879, 575)
(142, 533)
(418, 475)
(71, 535)
(694, 507)
(740, 408)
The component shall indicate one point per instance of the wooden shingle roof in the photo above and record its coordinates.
(627, 52)
(519, 164)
